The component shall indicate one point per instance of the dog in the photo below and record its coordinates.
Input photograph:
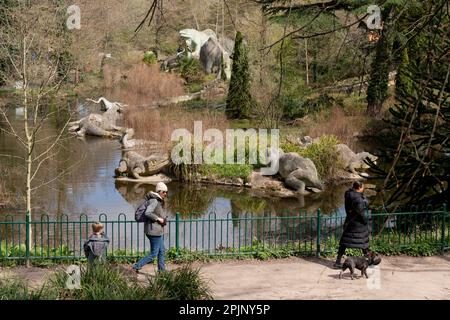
(360, 263)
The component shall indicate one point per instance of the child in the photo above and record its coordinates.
(95, 246)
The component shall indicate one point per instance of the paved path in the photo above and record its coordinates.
(297, 278)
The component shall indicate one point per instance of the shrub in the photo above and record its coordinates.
(322, 152)
(191, 70)
(100, 282)
(137, 85)
(184, 283)
(150, 58)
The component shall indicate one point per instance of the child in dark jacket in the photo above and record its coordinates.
(95, 246)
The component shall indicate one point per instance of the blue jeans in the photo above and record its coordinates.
(156, 249)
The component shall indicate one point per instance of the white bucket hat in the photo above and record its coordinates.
(161, 186)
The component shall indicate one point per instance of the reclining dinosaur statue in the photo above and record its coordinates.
(100, 125)
(105, 104)
(135, 165)
(128, 143)
(353, 161)
(298, 173)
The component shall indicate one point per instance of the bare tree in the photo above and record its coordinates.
(32, 42)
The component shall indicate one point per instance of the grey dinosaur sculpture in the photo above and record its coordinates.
(128, 142)
(298, 172)
(211, 57)
(353, 161)
(135, 165)
(105, 104)
(214, 53)
(100, 125)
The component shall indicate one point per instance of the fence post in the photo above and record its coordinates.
(27, 237)
(318, 232)
(177, 233)
(444, 216)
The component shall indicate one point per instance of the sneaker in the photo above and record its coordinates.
(337, 265)
(135, 270)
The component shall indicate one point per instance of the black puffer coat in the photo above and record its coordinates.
(356, 230)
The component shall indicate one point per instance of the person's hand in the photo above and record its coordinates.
(162, 222)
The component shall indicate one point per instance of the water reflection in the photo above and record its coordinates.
(90, 187)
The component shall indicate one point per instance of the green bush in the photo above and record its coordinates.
(150, 58)
(323, 153)
(184, 283)
(100, 282)
(191, 70)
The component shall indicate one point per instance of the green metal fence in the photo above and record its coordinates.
(300, 232)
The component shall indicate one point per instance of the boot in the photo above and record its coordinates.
(338, 263)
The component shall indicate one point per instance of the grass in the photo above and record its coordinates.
(19, 289)
(111, 282)
(242, 171)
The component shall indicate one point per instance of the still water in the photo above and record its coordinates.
(89, 188)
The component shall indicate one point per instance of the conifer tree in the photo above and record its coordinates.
(239, 99)
(419, 169)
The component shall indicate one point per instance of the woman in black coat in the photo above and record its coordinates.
(356, 230)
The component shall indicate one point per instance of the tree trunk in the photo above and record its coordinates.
(306, 62)
(29, 145)
(374, 109)
(263, 45)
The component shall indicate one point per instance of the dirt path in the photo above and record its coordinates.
(296, 278)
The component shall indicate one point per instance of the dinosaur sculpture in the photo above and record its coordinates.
(353, 161)
(128, 142)
(106, 104)
(298, 172)
(195, 40)
(100, 125)
(212, 51)
(135, 165)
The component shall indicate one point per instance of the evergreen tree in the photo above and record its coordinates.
(239, 100)
(377, 91)
(403, 83)
(420, 164)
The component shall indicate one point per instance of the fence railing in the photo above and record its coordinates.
(301, 232)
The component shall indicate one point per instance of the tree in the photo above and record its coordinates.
(239, 99)
(4, 19)
(420, 164)
(377, 91)
(33, 48)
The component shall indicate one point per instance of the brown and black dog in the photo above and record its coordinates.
(360, 263)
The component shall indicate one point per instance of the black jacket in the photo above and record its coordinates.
(356, 230)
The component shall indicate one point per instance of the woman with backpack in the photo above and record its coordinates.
(151, 213)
